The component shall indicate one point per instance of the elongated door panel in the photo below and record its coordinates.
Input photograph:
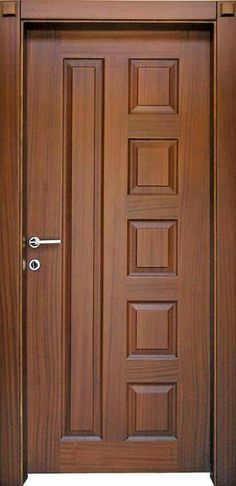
(118, 168)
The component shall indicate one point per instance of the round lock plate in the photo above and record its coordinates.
(34, 265)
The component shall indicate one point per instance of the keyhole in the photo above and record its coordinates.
(34, 265)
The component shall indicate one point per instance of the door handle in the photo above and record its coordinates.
(35, 242)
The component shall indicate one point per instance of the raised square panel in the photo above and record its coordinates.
(9, 9)
(152, 410)
(153, 247)
(152, 328)
(153, 86)
(153, 166)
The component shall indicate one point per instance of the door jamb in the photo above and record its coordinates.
(13, 448)
(12, 425)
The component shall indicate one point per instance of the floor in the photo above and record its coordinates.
(153, 479)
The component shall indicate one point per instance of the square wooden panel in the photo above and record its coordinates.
(153, 86)
(152, 328)
(153, 247)
(152, 410)
(9, 9)
(153, 166)
(227, 9)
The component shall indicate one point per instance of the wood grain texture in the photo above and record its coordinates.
(227, 9)
(153, 247)
(12, 472)
(44, 218)
(118, 10)
(225, 332)
(167, 127)
(83, 141)
(152, 411)
(111, 456)
(84, 96)
(168, 227)
(153, 86)
(151, 370)
(197, 227)
(9, 9)
(115, 248)
(153, 167)
(152, 328)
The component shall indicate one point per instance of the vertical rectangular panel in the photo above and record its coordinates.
(11, 392)
(83, 159)
(225, 332)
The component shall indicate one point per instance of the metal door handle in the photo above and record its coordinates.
(35, 242)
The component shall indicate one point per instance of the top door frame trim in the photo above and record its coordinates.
(118, 10)
(13, 14)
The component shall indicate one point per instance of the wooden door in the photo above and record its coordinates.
(118, 315)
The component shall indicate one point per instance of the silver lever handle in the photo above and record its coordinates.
(35, 242)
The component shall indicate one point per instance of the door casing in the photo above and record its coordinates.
(13, 17)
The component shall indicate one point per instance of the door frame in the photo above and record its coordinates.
(14, 14)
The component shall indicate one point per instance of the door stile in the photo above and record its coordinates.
(13, 470)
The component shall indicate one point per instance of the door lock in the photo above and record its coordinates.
(34, 265)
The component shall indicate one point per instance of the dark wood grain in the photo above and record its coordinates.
(225, 332)
(83, 142)
(44, 209)
(155, 252)
(118, 10)
(194, 250)
(12, 472)
(111, 456)
(45, 413)
(115, 247)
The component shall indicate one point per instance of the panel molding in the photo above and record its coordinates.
(152, 329)
(153, 167)
(151, 411)
(83, 86)
(153, 86)
(153, 247)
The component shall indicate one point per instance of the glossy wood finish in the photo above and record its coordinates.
(153, 167)
(111, 456)
(225, 338)
(44, 206)
(125, 400)
(83, 140)
(118, 10)
(11, 390)
(10, 443)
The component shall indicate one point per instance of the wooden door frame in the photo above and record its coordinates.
(13, 15)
